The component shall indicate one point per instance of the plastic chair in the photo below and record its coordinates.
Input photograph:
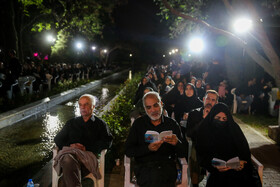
(97, 183)
(22, 82)
(29, 85)
(49, 80)
(10, 92)
(272, 100)
(128, 183)
(258, 166)
(234, 104)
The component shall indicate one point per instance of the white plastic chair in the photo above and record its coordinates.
(22, 82)
(10, 92)
(97, 183)
(29, 86)
(49, 78)
(258, 166)
(272, 100)
(234, 104)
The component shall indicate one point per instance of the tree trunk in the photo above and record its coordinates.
(13, 42)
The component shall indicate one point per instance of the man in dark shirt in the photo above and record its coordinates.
(155, 162)
(87, 133)
(195, 117)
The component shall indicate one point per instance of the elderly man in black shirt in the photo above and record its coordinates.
(80, 140)
(155, 162)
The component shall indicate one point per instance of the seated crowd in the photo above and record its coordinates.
(200, 108)
(39, 73)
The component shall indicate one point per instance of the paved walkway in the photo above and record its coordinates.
(266, 151)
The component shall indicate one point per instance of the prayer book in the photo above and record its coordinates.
(233, 163)
(153, 136)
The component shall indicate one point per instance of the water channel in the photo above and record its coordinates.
(27, 145)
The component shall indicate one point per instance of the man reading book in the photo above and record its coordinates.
(155, 162)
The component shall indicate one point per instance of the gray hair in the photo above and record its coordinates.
(91, 98)
(151, 94)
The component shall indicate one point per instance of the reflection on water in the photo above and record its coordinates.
(31, 140)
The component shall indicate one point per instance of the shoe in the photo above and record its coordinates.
(87, 182)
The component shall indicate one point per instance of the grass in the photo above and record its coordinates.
(259, 122)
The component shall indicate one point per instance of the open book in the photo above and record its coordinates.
(153, 136)
(233, 163)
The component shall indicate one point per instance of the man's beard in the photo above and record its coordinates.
(157, 117)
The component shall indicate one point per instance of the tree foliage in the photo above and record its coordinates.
(65, 18)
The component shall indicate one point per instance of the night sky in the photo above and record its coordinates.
(138, 24)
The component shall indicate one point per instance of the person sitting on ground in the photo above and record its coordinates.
(220, 137)
(155, 162)
(79, 141)
(194, 119)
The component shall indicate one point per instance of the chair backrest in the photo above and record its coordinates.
(259, 167)
(97, 183)
(234, 104)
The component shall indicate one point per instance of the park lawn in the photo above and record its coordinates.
(258, 122)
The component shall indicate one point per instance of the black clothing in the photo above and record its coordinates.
(194, 119)
(200, 92)
(93, 134)
(171, 98)
(226, 141)
(140, 90)
(161, 163)
(187, 104)
(245, 90)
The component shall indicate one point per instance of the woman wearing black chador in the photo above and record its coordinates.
(220, 137)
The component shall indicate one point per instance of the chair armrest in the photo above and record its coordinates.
(184, 164)
(54, 174)
(259, 167)
(102, 168)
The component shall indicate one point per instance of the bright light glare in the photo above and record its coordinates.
(105, 50)
(163, 56)
(170, 53)
(130, 55)
(189, 55)
(93, 48)
(79, 45)
(242, 25)
(176, 50)
(50, 38)
(173, 50)
(196, 45)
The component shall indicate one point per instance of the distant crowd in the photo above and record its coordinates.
(181, 83)
(40, 74)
